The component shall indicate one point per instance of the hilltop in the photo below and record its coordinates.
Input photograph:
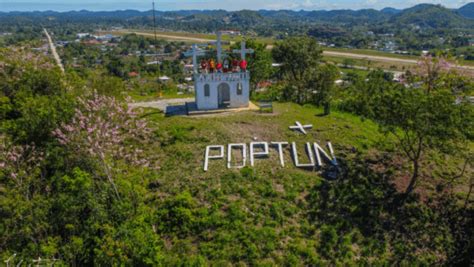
(467, 10)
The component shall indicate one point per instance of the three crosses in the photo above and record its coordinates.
(195, 51)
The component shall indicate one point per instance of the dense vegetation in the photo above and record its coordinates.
(85, 180)
(422, 27)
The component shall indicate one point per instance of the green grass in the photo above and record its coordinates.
(185, 138)
(261, 209)
(268, 197)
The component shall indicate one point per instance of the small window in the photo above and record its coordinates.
(207, 90)
(239, 88)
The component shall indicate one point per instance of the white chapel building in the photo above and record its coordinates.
(218, 90)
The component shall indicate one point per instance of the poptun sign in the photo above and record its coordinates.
(314, 152)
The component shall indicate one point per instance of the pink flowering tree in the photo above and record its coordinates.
(430, 69)
(107, 131)
(19, 164)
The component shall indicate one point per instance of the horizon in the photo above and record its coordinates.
(180, 5)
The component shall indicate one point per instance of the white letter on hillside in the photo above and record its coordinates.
(318, 149)
(308, 151)
(280, 151)
(263, 153)
(229, 155)
(208, 150)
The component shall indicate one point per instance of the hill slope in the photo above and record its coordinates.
(431, 16)
(467, 10)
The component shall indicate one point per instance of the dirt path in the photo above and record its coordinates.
(53, 50)
(161, 104)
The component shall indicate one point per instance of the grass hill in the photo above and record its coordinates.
(189, 136)
(270, 215)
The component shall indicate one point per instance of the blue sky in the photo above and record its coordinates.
(28, 5)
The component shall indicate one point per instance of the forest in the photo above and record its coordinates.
(422, 27)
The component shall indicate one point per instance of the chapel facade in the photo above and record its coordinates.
(221, 83)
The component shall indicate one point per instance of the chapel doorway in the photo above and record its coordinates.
(223, 95)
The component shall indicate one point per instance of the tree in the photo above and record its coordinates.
(300, 58)
(430, 71)
(324, 85)
(421, 121)
(101, 129)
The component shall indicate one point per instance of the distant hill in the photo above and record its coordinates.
(348, 16)
(431, 16)
(424, 15)
(390, 11)
(343, 24)
(467, 11)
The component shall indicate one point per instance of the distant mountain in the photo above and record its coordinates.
(467, 11)
(423, 16)
(390, 11)
(431, 16)
(348, 16)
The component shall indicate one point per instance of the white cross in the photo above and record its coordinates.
(195, 52)
(243, 50)
(300, 127)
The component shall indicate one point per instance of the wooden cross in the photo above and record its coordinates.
(243, 50)
(195, 52)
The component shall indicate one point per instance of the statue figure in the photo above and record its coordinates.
(243, 65)
(235, 65)
(212, 65)
(226, 65)
(203, 66)
(219, 67)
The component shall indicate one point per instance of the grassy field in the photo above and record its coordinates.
(186, 138)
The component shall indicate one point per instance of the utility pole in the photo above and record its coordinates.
(154, 31)
(156, 43)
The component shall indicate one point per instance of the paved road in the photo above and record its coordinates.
(172, 37)
(53, 50)
(162, 103)
(384, 59)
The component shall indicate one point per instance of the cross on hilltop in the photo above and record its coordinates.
(243, 50)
